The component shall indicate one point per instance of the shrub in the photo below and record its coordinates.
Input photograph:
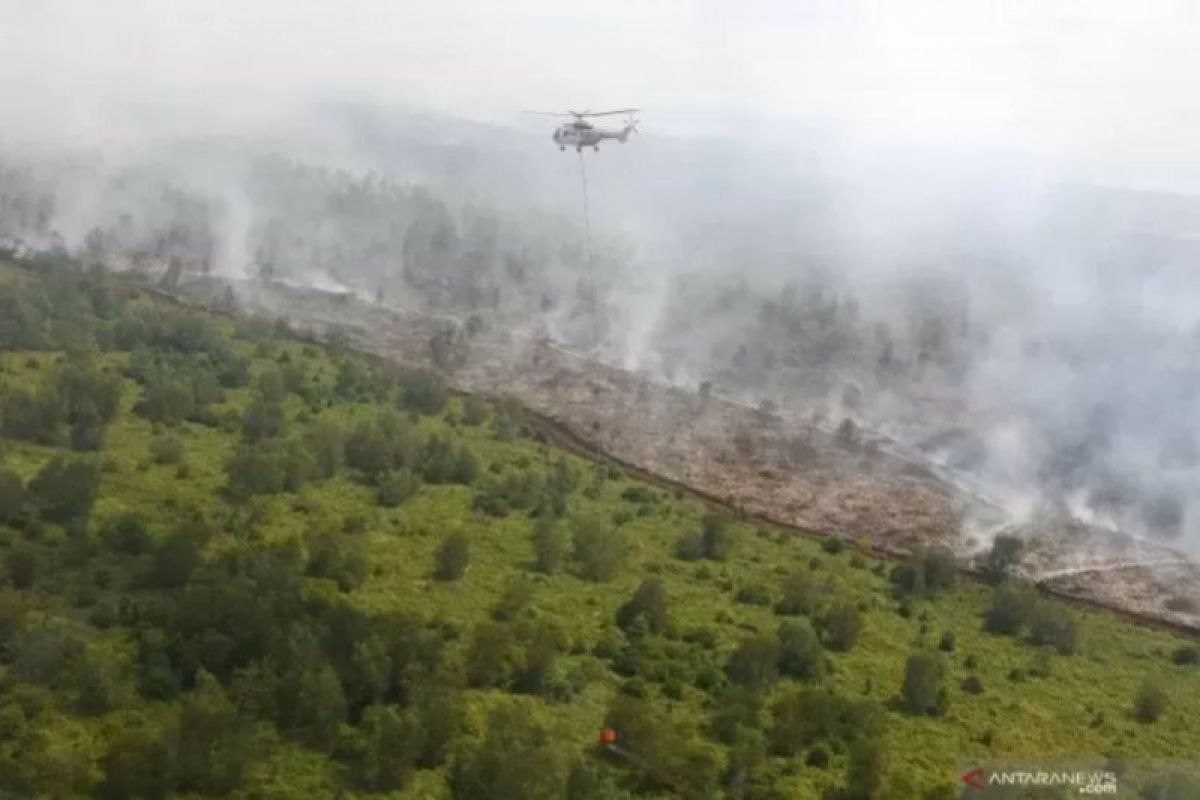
(833, 545)
(397, 487)
(800, 653)
(474, 411)
(13, 496)
(929, 571)
(972, 685)
(649, 603)
(690, 547)
(65, 489)
(21, 566)
(1051, 625)
(716, 536)
(1188, 654)
(800, 595)
(549, 545)
(841, 626)
(754, 594)
(1150, 701)
(166, 449)
(755, 662)
(1009, 612)
(599, 549)
(811, 716)
(452, 557)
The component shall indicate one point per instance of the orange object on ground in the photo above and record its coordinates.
(608, 736)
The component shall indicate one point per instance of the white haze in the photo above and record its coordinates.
(1000, 192)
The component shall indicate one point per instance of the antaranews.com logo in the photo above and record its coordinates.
(1088, 783)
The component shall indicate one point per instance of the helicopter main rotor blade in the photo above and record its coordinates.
(548, 113)
(610, 113)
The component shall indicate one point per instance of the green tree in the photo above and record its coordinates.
(337, 556)
(599, 549)
(65, 489)
(714, 531)
(649, 603)
(755, 662)
(800, 595)
(13, 496)
(1010, 611)
(1005, 556)
(800, 653)
(864, 769)
(841, 626)
(391, 742)
(326, 443)
(22, 565)
(397, 487)
(517, 757)
(140, 762)
(493, 655)
(923, 691)
(1052, 625)
(549, 544)
(737, 708)
(369, 451)
(453, 556)
(214, 747)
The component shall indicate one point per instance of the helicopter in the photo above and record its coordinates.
(580, 133)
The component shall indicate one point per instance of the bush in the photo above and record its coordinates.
(1150, 701)
(549, 545)
(929, 571)
(126, 533)
(972, 685)
(923, 691)
(690, 547)
(1052, 625)
(599, 550)
(166, 449)
(754, 594)
(1010, 611)
(21, 567)
(811, 716)
(452, 557)
(800, 595)
(474, 411)
(755, 662)
(397, 487)
(833, 545)
(13, 496)
(649, 603)
(517, 757)
(841, 626)
(714, 531)
(800, 653)
(1188, 654)
(65, 489)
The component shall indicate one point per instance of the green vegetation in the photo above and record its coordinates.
(235, 562)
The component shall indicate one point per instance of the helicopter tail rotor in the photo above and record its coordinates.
(631, 126)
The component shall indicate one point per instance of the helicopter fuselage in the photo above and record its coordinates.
(581, 135)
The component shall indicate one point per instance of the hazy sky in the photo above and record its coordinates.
(1109, 88)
